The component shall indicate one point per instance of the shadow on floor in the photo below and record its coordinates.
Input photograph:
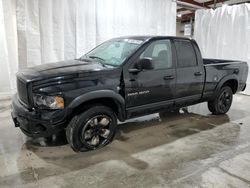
(134, 136)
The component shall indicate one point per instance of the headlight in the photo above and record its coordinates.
(50, 102)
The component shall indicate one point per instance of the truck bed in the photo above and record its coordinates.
(218, 69)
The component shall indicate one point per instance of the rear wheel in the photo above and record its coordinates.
(223, 101)
(92, 129)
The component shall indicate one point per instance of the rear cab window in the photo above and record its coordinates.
(186, 56)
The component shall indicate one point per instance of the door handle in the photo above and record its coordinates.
(169, 77)
(198, 73)
(132, 80)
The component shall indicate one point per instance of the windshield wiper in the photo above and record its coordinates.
(96, 57)
(101, 62)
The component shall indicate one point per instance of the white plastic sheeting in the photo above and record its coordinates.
(49, 31)
(8, 45)
(224, 33)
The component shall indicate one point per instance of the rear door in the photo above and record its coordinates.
(190, 73)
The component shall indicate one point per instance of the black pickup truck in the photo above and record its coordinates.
(121, 78)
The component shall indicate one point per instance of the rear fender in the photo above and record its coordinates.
(224, 80)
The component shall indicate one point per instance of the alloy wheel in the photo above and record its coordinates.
(96, 131)
(224, 101)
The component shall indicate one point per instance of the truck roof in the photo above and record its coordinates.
(149, 37)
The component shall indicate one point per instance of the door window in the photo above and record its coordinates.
(185, 53)
(160, 54)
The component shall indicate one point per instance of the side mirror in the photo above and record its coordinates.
(145, 64)
(142, 64)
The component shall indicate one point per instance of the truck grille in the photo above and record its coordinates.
(22, 91)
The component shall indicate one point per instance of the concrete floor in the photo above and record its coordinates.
(193, 149)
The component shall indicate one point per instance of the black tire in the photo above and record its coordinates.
(222, 102)
(92, 129)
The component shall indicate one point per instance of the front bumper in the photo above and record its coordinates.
(36, 123)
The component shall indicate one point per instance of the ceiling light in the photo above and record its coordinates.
(179, 15)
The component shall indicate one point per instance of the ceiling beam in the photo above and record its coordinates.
(186, 17)
(212, 2)
(195, 3)
(181, 9)
(205, 5)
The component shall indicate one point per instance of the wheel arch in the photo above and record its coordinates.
(231, 81)
(105, 97)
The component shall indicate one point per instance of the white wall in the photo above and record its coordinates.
(224, 33)
(8, 45)
(49, 31)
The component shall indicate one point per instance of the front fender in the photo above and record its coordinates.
(119, 100)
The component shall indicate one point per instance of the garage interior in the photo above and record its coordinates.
(189, 148)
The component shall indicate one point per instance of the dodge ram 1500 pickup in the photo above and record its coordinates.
(121, 78)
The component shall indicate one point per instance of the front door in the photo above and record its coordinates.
(152, 88)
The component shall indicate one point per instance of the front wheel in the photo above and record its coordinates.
(222, 102)
(92, 129)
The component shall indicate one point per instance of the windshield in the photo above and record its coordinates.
(114, 52)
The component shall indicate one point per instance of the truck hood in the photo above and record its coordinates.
(61, 68)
